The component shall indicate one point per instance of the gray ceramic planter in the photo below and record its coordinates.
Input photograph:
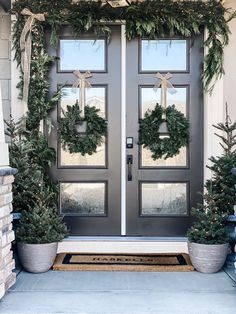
(207, 258)
(37, 258)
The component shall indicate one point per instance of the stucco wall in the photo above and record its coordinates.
(5, 62)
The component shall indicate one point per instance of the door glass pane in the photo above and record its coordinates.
(98, 159)
(82, 198)
(164, 55)
(179, 160)
(95, 96)
(164, 199)
(82, 54)
(149, 99)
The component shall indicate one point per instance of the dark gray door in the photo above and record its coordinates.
(162, 192)
(90, 185)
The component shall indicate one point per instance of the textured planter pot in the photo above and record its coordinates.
(37, 258)
(208, 258)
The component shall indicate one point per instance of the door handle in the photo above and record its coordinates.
(129, 163)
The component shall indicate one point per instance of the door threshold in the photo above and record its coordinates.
(125, 239)
(123, 245)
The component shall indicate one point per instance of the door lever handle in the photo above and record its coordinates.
(129, 163)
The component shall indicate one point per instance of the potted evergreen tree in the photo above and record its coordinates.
(38, 232)
(40, 227)
(208, 238)
(221, 186)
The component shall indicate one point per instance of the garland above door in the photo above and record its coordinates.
(149, 19)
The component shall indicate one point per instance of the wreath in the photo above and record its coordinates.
(149, 136)
(75, 141)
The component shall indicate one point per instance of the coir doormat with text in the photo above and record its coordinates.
(123, 262)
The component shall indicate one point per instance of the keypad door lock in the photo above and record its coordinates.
(129, 142)
(129, 163)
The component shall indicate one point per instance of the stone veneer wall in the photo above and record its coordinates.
(7, 264)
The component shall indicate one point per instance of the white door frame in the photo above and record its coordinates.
(123, 130)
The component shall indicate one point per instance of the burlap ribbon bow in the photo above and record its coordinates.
(26, 47)
(165, 84)
(82, 83)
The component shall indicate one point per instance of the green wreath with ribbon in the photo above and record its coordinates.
(149, 136)
(75, 141)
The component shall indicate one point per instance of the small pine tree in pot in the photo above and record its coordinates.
(208, 238)
(221, 186)
(39, 230)
(40, 227)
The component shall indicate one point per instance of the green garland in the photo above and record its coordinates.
(77, 142)
(149, 136)
(150, 19)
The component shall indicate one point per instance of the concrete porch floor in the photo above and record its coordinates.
(121, 292)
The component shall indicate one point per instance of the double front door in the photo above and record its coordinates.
(121, 190)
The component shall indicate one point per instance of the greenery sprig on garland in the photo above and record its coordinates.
(77, 142)
(149, 136)
(150, 19)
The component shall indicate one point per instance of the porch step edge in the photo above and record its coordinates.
(125, 239)
(120, 245)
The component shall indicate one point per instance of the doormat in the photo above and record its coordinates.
(123, 262)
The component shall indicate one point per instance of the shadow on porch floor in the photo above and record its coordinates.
(121, 292)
